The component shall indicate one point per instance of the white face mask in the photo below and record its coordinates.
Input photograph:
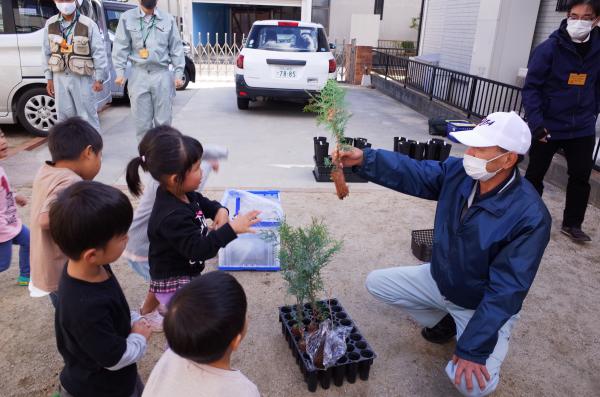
(579, 30)
(476, 168)
(66, 8)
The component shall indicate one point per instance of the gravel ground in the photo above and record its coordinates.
(555, 349)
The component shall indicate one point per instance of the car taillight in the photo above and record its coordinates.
(332, 66)
(287, 23)
(240, 62)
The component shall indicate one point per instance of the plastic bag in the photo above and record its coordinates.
(327, 344)
(241, 202)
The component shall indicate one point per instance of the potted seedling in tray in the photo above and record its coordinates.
(324, 340)
(303, 253)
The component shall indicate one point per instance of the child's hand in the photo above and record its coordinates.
(243, 222)
(20, 200)
(221, 218)
(142, 327)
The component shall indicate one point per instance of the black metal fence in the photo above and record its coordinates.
(471, 94)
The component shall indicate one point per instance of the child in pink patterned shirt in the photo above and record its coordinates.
(12, 230)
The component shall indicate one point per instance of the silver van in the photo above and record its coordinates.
(23, 96)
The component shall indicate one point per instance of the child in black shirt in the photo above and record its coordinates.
(94, 331)
(180, 240)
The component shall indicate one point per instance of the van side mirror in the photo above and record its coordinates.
(332, 46)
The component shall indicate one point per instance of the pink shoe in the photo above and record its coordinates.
(155, 320)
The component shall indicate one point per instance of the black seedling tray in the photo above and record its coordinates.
(421, 244)
(356, 362)
(322, 173)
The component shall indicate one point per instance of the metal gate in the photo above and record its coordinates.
(215, 60)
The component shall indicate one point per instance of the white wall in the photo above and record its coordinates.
(548, 21)
(503, 39)
(340, 16)
(365, 29)
(449, 30)
(306, 10)
(397, 18)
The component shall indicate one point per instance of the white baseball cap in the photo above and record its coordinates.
(507, 130)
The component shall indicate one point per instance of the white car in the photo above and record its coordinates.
(284, 60)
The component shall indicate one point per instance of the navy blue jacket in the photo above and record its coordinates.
(487, 261)
(566, 111)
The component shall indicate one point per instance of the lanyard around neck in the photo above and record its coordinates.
(69, 28)
(150, 26)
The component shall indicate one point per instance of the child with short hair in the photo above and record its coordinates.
(95, 334)
(12, 230)
(206, 322)
(180, 241)
(76, 152)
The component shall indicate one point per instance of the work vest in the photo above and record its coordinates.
(79, 61)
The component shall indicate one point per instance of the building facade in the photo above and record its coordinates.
(198, 18)
(488, 38)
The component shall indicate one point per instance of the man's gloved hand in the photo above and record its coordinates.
(541, 134)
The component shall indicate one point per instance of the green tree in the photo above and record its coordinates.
(303, 253)
(330, 108)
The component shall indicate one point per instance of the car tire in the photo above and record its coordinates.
(243, 103)
(36, 111)
(186, 81)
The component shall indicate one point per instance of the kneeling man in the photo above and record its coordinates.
(491, 230)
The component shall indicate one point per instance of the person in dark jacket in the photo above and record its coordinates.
(561, 98)
(491, 230)
(179, 236)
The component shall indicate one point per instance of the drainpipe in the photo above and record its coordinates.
(306, 10)
(420, 26)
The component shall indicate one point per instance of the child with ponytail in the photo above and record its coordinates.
(180, 241)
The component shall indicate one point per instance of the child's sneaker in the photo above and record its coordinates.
(155, 320)
(23, 281)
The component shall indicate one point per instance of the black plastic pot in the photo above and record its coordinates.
(360, 143)
(321, 149)
(356, 362)
(435, 149)
(419, 151)
(407, 147)
(444, 151)
(397, 141)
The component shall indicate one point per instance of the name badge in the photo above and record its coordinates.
(577, 79)
(144, 53)
(66, 48)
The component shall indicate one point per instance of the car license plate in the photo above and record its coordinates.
(286, 73)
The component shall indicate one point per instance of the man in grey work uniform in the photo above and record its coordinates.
(149, 38)
(76, 64)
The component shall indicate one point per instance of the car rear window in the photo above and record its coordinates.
(287, 38)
